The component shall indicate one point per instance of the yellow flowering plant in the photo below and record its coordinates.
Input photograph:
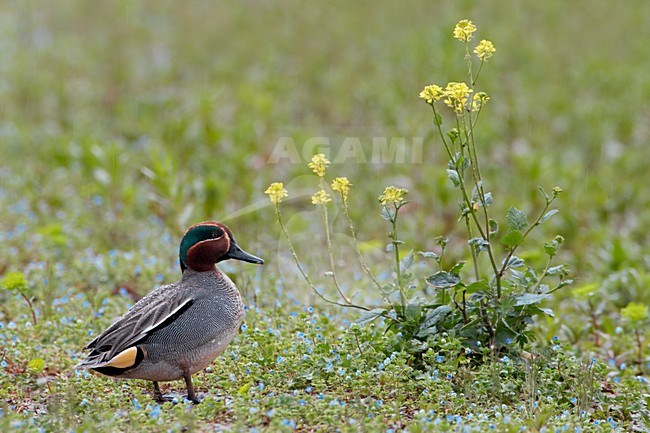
(496, 307)
(490, 306)
(321, 198)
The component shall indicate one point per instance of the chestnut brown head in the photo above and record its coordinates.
(208, 243)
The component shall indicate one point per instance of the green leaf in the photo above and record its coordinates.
(453, 176)
(546, 196)
(369, 316)
(513, 238)
(387, 213)
(516, 219)
(515, 262)
(428, 254)
(477, 286)
(406, 262)
(547, 311)
(550, 249)
(548, 215)
(530, 298)
(488, 198)
(414, 308)
(437, 119)
(456, 268)
(243, 390)
(435, 316)
(494, 226)
(388, 289)
(443, 280)
(479, 243)
(555, 270)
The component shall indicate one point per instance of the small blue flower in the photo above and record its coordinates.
(440, 358)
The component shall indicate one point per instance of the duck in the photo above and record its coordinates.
(181, 328)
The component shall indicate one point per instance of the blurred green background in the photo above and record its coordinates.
(126, 119)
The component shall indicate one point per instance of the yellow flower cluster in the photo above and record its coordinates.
(484, 50)
(342, 185)
(456, 95)
(431, 93)
(464, 30)
(392, 194)
(321, 197)
(478, 100)
(276, 192)
(318, 164)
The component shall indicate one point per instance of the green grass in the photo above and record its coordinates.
(122, 123)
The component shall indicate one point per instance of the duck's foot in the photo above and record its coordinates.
(195, 400)
(158, 395)
(191, 395)
(171, 398)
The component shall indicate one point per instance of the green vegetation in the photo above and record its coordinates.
(123, 122)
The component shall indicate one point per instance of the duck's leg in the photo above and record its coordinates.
(157, 395)
(191, 395)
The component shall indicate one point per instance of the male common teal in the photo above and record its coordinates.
(177, 329)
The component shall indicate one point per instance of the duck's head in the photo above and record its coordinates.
(207, 243)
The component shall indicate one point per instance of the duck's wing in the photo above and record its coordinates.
(150, 313)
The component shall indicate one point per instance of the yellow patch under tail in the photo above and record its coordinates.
(124, 359)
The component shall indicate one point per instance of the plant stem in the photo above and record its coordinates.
(477, 273)
(364, 266)
(475, 79)
(640, 350)
(302, 271)
(531, 227)
(329, 248)
(544, 273)
(31, 307)
(398, 271)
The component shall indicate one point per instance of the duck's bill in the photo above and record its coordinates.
(239, 254)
